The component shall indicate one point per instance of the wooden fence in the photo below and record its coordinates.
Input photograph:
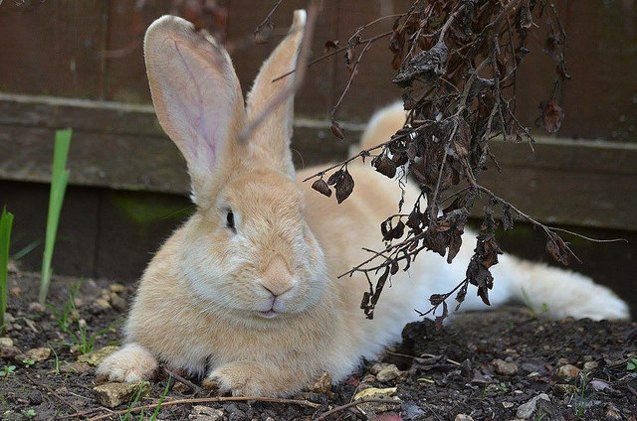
(79, 64)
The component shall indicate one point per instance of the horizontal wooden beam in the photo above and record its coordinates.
(121, 146)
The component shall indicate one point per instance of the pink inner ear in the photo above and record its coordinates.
(195, 114)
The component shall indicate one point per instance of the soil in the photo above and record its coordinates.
(482, 366)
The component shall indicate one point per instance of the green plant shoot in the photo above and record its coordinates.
(6, 221)
(59, 180)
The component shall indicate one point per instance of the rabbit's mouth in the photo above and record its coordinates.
(268, 314)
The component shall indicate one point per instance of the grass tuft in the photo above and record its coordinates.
(6, 222)
(59, 180)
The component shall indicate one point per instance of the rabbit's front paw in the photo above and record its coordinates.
(245, 379)
(130, 364)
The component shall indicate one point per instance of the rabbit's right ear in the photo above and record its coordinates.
(197, 98)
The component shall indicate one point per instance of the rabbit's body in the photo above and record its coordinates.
(247, 292)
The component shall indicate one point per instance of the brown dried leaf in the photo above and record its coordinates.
(462, 139)
(396, 46)
(335, 177)
(321, 186)
(385, 229)
(428, 64)
(349, 56)
(394, 267)
(507, 219)
(385, 166)
(413, 221)
(263, 32)
(552, 115)
(331, 45)
(462, 294)
(455, 242)
(344, 187)
(436, 299)
(483, 292)
(556, 247)
(336, 130)
(490, 251)
(398, 230)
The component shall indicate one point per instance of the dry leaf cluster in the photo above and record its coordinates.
(456, 64)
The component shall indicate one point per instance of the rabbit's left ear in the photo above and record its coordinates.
(197, 99)
(271, 140)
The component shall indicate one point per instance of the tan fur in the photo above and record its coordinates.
(259, 309)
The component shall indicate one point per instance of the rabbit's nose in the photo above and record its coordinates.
(277, 278)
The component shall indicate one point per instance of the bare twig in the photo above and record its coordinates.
(268, 18)
(332, 53)
(183, 380)
(312, 15)
(203, 400)
(353, 73)
(348, 405)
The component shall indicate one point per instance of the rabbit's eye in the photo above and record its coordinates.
(230, 221)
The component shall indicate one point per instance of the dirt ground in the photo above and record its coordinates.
(500, 365)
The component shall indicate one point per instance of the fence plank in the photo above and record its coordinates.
(51, 47)
(372, 87)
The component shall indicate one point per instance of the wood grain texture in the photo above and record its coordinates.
(372, 87)
(53, 48)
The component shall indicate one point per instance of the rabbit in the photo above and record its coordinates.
(246, 293)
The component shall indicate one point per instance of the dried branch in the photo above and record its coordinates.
(457, 65)
(200, 400)
(348, 405)
(312, 15)
(333, 53)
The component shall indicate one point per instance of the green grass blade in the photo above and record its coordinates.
(6, 222)
(26, 250)
(59, 181)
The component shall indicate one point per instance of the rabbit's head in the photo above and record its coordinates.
(247, 252)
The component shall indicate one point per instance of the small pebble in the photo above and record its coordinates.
(563, 361)
(113, 394)
(463, 417)
(561, 389)
(96, 357)
(526, 410)
(505, 368)
(205, 413)
(368, 379)
(117, 302)
(180, 387)
(5, 342)
(568, 371)
(590, 365)
(117, 288)
(388, 373)
(323, 385)
(10, 352)
(100, 305)
(35, 397)
(37, 307)
(38, 354)
(376, 368)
